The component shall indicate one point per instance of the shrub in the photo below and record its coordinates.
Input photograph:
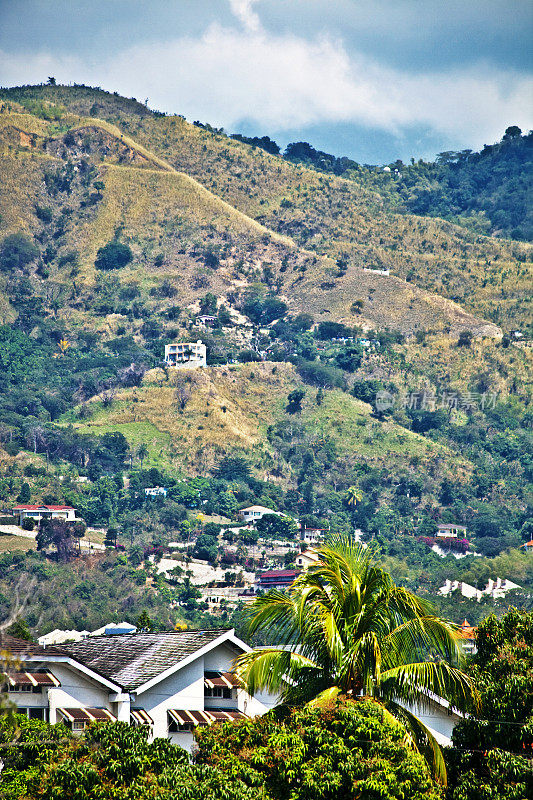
(28, 524)
(113, 256)
(16, 252)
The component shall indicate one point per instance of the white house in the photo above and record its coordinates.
(313, 536)
(38, 513)
(306, 559)
(156, 491)
(495, 588)
(186, 354)
(445, 531)
(171, 682)
(255, 513)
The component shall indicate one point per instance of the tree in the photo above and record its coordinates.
(144, 623)
(113, 256)
(60, 534)
(19, 629)
(294, 404)
(16, 252)
(51, 81)
(233, 468)
(353, 496)
(343, 752)
(142, 452)
(25, 493)
(465, 339)
(347, 629)
(275, 526)
(491, 756)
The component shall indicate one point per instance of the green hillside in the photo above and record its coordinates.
(120, 228)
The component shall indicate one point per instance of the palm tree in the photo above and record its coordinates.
(353, 496)
(142, 452)
(347, 630)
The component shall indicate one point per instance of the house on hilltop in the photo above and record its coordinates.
(170, 682)
(453, 531)
(186, 354)
(254, 513)
(38, 513)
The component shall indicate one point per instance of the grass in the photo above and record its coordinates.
(9, 543)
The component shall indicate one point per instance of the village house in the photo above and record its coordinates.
(313, 536)
(186, 354)
(454, 531)
(275, 579)
(306, 559)
(467, 636)
(38, 513)
(170, 682)
(252, 514)
(496, 589)
(156, 491)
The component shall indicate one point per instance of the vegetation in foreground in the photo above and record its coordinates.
(344, 628)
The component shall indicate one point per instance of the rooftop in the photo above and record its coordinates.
(41, 507)
(130, 660)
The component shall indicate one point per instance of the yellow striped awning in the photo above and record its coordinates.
(140, 716)
(225, 679)
(33, 679)
(87, 714)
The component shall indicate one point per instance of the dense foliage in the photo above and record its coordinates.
(325, 755)
(493, 755)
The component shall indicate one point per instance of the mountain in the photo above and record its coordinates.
(119, 226)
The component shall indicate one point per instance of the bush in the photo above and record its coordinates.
(318, 374)
(28, 524)
(16, 252)
(113, 256)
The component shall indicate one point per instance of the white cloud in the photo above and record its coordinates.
(279, 82)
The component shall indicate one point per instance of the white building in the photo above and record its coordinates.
(313, 536)
(306, 559)
(255, 513)
(38, 513)
(445, 531)
(171, 682)
(156, 491)
(186, 354)
(495, 588)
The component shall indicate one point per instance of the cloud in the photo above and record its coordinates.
(283, 81)
(244, 12)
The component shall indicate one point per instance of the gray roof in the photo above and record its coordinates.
(130, 660)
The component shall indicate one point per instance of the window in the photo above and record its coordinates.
(218, 691)
(38, 713)
(78, 725)
(175, 727)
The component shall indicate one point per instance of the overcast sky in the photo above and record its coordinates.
(373, 80)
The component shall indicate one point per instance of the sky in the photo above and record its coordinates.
(374, 80)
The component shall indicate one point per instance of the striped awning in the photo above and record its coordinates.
(140, 716)
(87, 714)
(190, 717)
(33, 679)
(204, 717)
(225, 679)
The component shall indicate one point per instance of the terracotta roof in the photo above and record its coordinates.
(41, 507)
(279, 573)
(130, 660)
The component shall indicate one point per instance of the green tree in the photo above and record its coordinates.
(346, 751)
(16, 252)
(274, 526)
(144, 623)
(25, 493)
(142, 452)
(346, 628)
(294, 404)
(19, 629)
(503, 729)
(113, 256)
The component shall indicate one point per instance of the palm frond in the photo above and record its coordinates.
(414, 683)
(274, 670)
(424, 740)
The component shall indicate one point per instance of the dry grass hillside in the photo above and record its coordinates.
(235, 408)
(171, 219)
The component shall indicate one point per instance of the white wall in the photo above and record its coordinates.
(182, 690)
(76, 691)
